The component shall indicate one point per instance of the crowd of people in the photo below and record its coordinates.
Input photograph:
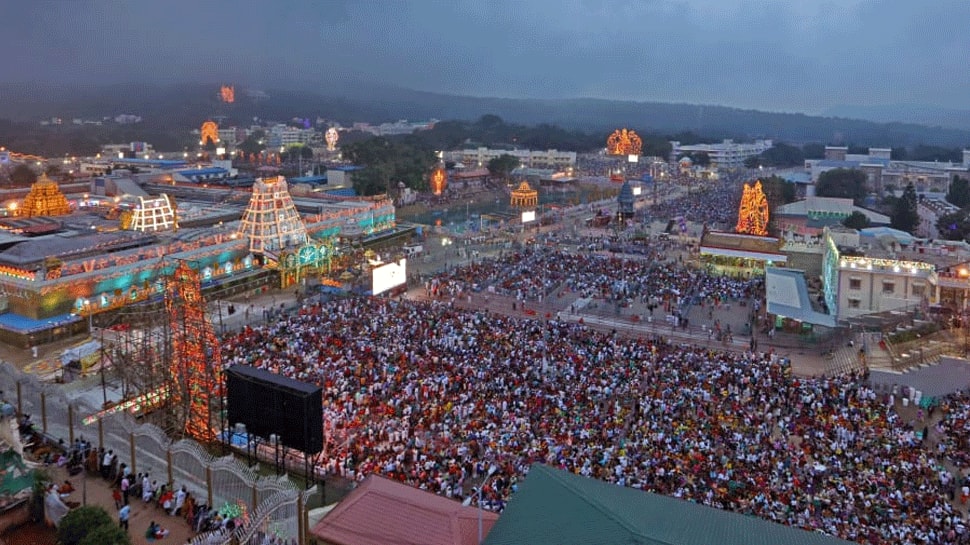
(714, 204)
(447, 400)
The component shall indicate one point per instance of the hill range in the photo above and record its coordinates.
(181, 105)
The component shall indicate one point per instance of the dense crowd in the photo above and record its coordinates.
(715, 204)
(657, 275)
(435, 397)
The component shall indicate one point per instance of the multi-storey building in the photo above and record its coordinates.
(551, 159)
(930, 211)
(882, 172)
(727, 154)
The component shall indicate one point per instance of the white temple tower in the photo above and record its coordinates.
(271, 220)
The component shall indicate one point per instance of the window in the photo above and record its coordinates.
(889, 287)
(855, 303)
(855, 283)
(918, 290)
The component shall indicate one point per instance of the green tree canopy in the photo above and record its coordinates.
(959, 193)
(842, 183)
(778, 191)
(502, 166)
(108, 534)
(905, 216)
(779, 155)
(955, 226)
(387, 161)
(80, 522)
(22, 175)
(251, 145)
(857, 220)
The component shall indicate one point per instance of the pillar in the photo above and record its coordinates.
(131, 444)
(70, 424)
(43, 411)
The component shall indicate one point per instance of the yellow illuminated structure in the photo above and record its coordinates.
(753, 212)
(271, 221)
(210, 133)
(195, 361)
(331, 136)
(524, 196)
(227, 94)
(439, 180)
(45, 199)
(624, 142)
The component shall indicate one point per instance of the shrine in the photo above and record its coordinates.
(45, 199)
(524, 196)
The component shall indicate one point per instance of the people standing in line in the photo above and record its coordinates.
(125, 489)
(123, 515)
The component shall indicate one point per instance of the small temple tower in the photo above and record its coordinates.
(271, 220)
(45, 199)
(524, 196)
(625, 201)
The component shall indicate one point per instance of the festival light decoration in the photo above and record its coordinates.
(227, 94)
(210, 133)
(196, 357)
(331, 137)
(753, 212)
(439, 180)
(624, 142)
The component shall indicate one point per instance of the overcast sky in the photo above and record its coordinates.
(788, 55)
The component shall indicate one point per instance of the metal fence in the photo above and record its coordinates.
(270, 507)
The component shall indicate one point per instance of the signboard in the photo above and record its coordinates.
(528, 216)
(389, 276)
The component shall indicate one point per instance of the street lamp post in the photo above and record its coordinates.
(478, 493)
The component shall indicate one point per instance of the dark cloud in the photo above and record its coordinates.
(774, 54)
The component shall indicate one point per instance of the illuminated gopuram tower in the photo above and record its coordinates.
(196, 361)
(271, 220)
(45, 199)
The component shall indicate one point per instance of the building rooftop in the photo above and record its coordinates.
(556, 506)
(744, 243)
(385, 512)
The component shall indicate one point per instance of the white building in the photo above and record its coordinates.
(551, 159)
(882, 171)
(727, 154)
(930, 211)
(285, 135)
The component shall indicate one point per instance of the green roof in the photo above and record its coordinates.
(557, 507)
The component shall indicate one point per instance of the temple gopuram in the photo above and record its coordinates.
(45, 199)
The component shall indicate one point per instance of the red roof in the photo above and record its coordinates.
(384, 512)
(477, 173)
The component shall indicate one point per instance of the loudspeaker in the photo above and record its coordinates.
(271, 405)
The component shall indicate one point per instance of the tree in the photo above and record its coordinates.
(502, 166)
(251, 145)
(842, 183)
(857, 220)
(955, 226)
(813, 151)
(22, 175)
(959, 193)
(778, 191)
(80, 522)
(701, 159)
(108, 534)
(905, 216)
(371, 180)
(779, 155)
